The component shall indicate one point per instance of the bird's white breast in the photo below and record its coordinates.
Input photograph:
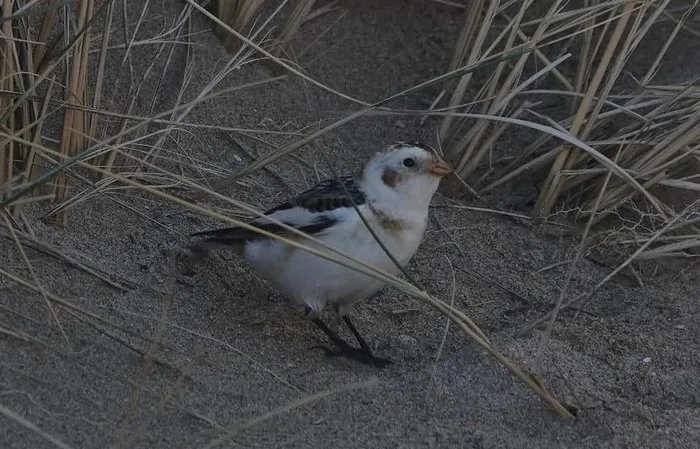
(317, 282)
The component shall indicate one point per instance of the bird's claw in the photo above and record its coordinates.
(359, 355)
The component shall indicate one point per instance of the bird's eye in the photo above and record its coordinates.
(409, 162)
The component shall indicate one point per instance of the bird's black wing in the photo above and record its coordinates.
(326, 196)
(310, 212)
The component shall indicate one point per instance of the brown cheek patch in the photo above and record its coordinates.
(388, 223)
(390, 178)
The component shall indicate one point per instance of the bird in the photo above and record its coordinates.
(392, 192)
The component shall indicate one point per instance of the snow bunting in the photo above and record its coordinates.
(392, 193)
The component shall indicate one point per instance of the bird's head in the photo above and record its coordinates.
(410, 172)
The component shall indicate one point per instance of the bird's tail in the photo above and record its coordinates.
(217, 239)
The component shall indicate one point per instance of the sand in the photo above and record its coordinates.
(234, 365)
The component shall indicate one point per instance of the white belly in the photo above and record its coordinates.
(316, 282)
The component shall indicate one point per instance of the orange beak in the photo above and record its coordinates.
(440, 168)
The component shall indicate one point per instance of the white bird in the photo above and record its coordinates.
(393, 193)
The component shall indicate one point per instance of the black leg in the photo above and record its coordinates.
(363, 344)
(332, 336)
(362, 355)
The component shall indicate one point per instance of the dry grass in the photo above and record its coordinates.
(602, 150)
(632, 138)
(650, 131)
(240, 16)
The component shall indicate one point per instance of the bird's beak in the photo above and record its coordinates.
(440, 168)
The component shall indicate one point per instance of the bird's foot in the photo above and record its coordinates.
(363, 356)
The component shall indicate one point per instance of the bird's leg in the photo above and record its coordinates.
(361, 341)
(362, 355)
(332, 336)
(314, 316)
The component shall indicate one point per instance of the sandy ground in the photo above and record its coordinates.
(235, 356)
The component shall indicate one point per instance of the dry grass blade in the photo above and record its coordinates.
(86, 318)
(237, 14)
(291, 27)
(672, 249)
(572, 268)
(612, 274)
(466, 166)
(295, 145)
(238, 428)
(679, 25)
(7, 80)
(99, 78)
(35, 278)
(214, 340)
(185, 14)
(26, 121)
(148, 355)
(241, 58)
(161, 121)
(472, 37)
(24, 422)
(593, 153)
(552, 185)
(136, 92)
(495, 283)
(469, 142)
(31, 168)
(104, 145)
(433, 372)
(32, 242)
(44, 69)
(249, 42)
(74, 120)
(44, 32)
